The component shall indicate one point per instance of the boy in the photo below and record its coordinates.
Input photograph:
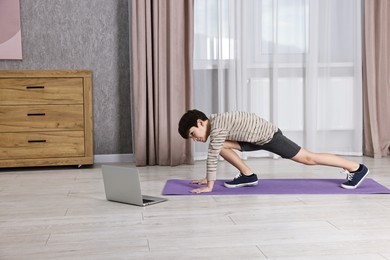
(247, 132)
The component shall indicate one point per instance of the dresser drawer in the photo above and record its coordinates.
(18, 91)
(41, 118)
(31, 145)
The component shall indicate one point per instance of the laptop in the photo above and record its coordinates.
(122, 184)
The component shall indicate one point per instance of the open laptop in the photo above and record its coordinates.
(122, 184)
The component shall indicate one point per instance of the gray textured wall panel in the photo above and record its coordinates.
(84, 34)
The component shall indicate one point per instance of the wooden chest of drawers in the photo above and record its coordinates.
(45, 118)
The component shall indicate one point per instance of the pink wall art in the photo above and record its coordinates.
(10, 33)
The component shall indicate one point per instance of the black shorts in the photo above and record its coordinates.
(279, 145)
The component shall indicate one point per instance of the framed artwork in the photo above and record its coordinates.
(10, 33)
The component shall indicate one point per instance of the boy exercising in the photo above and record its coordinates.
(245, 131)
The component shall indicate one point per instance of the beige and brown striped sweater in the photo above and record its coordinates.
(235, 126)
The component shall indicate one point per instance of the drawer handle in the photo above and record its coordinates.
(36, 114)
(34, 87)
(37, 141)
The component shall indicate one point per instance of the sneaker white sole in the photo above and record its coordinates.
(240, 185)
(357, 185)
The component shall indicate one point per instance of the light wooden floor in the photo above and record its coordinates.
(62, 213)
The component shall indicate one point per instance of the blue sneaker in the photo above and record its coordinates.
(242, 180)
(355, 178)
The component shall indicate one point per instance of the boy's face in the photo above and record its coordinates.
(199, 133)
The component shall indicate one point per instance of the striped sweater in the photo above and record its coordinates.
(235, 126)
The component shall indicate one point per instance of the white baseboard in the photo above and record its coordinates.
(199, 156)
(114, 158)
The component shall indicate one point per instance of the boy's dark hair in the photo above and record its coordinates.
(189, 120)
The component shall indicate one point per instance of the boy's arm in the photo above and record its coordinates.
(217, 138)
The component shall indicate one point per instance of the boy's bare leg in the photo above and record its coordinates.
(309, 158)
(232, 157)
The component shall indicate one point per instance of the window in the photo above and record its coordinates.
(296, 63)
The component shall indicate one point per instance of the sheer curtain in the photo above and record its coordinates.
(296, 63)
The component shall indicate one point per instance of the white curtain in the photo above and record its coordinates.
(296, 63)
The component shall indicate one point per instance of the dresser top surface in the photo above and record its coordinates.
(44, 73)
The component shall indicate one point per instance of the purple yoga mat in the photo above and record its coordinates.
(278, 186)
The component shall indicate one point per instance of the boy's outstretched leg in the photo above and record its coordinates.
(356, 172)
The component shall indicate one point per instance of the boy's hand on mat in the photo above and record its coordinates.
(201, 190)
(207, 188)
(200, 182)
